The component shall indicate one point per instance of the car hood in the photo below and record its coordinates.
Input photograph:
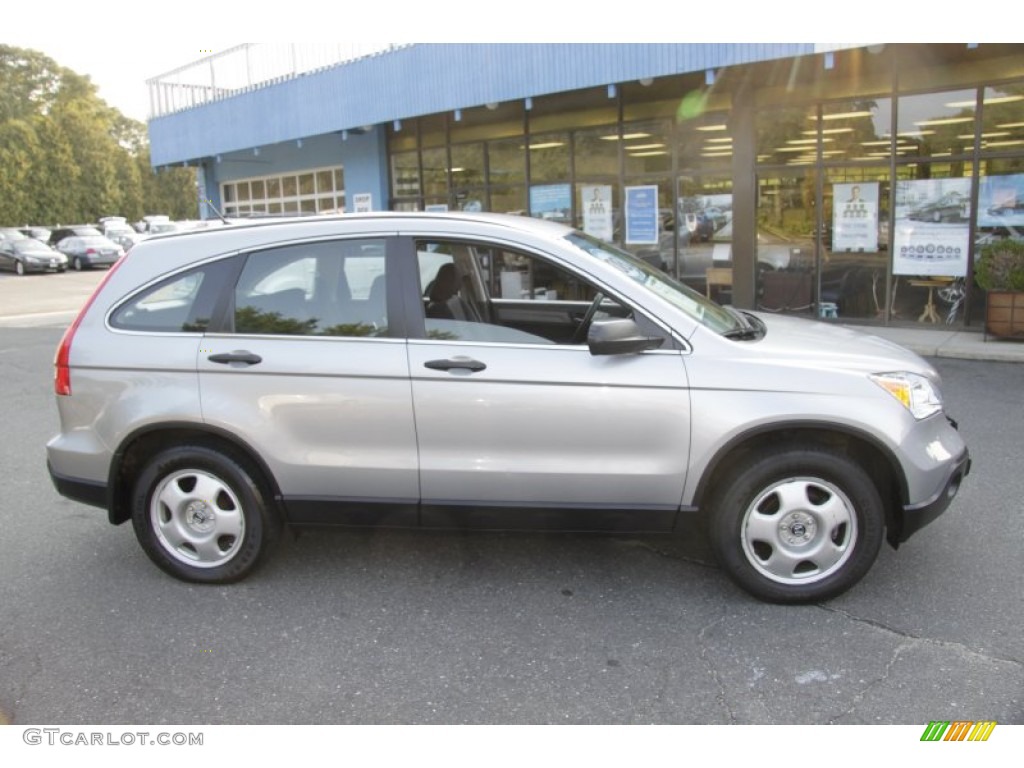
(827, 345)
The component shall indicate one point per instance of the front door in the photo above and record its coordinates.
(514, 412)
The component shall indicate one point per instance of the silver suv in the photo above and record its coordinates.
(444, 370)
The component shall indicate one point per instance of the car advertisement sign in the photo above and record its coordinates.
(932, 227)
(596, 204)
(855, 217)
(1001, 201)
(551, 201)
(642, 215)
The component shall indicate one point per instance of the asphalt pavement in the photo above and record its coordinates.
(388, 627)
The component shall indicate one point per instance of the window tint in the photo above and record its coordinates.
(316, 289)
(183, 303)
(477, 292)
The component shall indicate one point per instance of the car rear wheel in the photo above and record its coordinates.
(203, 516)
(799, 525)
(76, 263)
(19, 268)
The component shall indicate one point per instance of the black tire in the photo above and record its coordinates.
(203, 516)
(76, 263)
(799, 525)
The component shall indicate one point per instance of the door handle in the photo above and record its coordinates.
(238, 356)
(466, 363)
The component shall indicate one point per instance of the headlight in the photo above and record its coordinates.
(917, 394)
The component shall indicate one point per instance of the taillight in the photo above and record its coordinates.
(61, 361)
(90, 250)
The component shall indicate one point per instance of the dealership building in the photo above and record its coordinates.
(846, 182)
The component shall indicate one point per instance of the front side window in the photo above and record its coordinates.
(314, 289)
(482, 292)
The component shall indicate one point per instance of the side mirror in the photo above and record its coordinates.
(619, 336)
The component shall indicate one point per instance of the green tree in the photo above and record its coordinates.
(69, 157)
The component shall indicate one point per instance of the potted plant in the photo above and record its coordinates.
(999, 270)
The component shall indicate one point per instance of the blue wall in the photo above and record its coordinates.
(425, 79)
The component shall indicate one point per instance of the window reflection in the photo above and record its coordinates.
(935, 124)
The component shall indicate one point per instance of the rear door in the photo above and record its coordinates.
(310, 368)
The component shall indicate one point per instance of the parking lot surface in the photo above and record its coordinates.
(369, 626)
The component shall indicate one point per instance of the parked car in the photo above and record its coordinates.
(30, 255)
(77, 230)
(42, 234)
(11, 233)
(112, 229)
(90, 251)
(128, 240)
(440, 370)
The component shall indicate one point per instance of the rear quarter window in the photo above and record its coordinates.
(184, 303)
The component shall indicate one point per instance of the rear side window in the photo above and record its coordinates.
(184, 303)
(314, 289)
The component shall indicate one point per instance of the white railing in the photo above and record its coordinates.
(247, 67)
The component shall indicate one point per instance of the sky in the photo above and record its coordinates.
(119, 47)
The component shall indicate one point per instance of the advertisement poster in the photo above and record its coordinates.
(855, 217)
(362, 202)
(1001, 202)
(596, 204)
(551, 201)
(642, 215)
(932, 227)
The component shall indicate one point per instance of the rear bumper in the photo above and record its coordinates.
(85, 491)
(913, 518)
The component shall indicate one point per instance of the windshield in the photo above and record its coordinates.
(703, 310)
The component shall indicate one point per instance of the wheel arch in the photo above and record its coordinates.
(141, 445)
(877, 459)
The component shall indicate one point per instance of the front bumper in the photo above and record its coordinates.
(912, 518)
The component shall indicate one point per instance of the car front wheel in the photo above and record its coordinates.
(202, 516)
(800, 525)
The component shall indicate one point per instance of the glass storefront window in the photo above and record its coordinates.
(467, 166)
(704, 142)
(703, 229)
(855, 242)
(785, 241)
(647, 147)
(787, 136)
(856, 130)
(596, 152)
(508, 200)
(435, 173)
(1002, 119)
(549, 157)
(935, 125)
(405, 174)
(289, 187)
(506, 161)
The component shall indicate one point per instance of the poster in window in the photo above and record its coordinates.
(1001, 202)
(855, 217)
(551, 201)
(596, 204)
(642, 215)
(932, 227)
